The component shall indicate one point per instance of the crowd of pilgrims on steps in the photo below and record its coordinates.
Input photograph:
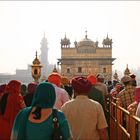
(26, 111)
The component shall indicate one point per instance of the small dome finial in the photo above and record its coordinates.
(55, 70)
(127, 66)
(36, 54)
(107, 34)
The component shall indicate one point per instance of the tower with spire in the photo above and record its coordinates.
(44, 56)
(36, 69)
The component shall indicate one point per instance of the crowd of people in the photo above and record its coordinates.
(27, 111)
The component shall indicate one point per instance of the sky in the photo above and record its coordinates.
(23, 24)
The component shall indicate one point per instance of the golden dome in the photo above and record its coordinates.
(85, 42)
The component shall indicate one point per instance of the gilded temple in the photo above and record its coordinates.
(86, 57)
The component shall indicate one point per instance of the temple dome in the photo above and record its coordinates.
(85, 42)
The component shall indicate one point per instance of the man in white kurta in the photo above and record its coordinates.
(85, 116)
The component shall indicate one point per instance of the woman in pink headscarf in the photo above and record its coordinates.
(11, 103)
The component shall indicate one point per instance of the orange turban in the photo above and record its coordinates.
(92, 79)
(55, 78)
(64, 80)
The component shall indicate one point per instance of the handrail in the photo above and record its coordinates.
(124, 125)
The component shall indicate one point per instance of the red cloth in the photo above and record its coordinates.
(55, 78)
(137, 94)
(81, 84)
(2, 89)
(92, 79)
(4, 131)
(14, 104)
(31, 88)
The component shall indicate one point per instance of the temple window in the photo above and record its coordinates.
(79, 69)
(68, 70)
(104, 70)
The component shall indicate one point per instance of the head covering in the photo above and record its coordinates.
(137, 94)
(126, 78)
(64, 80)
(15, 102)
(23, 89)
(13, 87)
(100, 76)
(92, 79)
(132, 76)
(55, 78)
(44, 96)
(81, 84)
(31, 88)
(118, 85)
(2, 89)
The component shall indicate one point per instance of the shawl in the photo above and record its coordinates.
(15, 101)
(19, 127)
(45, 98)
(2, 89)
(14, 104)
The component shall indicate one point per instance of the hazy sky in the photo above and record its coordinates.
(23, 23)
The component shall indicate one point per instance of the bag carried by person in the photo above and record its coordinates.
(56, 132)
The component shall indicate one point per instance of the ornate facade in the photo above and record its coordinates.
(86, 57)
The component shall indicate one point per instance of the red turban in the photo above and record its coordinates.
(81, 84)
(92, 79)
(55, 78)
(137, 94)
